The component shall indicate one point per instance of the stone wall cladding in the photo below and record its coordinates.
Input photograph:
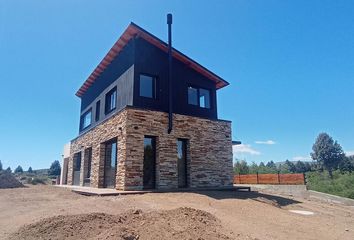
(114, 127)
(209, 154)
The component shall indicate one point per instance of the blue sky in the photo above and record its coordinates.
(290, 65)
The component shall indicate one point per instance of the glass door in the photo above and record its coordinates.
(77, 168)
(182, 163)
(110, 170)
(149, 162)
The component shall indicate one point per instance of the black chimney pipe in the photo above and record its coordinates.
(170, 117)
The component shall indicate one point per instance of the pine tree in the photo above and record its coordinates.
(327, 152)
(18, 169)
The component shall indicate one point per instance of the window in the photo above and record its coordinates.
(149, 164)
(199, 97)
(182, 172)
(98, 110)
(86, 119)
(110, 163)
(204, 98)
(192, 96)
(147, 86)
(77, 161)
(111, 100)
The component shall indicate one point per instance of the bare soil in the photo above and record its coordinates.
(48, 212)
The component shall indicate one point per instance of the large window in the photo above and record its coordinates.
(86, 119)
(147, 86)
(111, 100)
(199, 97)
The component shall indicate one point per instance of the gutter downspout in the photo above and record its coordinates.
(170, 116)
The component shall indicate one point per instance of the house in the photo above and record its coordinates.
(131, 138)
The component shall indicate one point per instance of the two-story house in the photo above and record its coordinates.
(124, 138)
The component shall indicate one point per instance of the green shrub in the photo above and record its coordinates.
(341, 184)
(37, 180)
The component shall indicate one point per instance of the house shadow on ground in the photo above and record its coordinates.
(277, 201)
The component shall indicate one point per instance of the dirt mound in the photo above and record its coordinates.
(8, 180)
(180, 223)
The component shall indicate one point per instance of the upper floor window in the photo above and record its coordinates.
(111, 100)
(98, 110)
(192, 96)
(199, 97)
(204, 98)
(147, 86)
(86, 119)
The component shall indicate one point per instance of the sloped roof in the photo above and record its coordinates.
(129, 33)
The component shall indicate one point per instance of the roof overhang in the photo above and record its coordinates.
(132, 31)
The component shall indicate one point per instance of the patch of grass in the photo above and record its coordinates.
(341, 184)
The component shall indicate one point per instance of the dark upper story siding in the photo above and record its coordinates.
(118, 66)
(140, 57)
(153, 61)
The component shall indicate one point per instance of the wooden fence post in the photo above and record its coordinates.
(257, 178)
(278, 178)
(304, 176)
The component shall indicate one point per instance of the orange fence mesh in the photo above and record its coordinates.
(290, 179)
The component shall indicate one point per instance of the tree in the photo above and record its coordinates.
(346, 165)
(8, 170)
(18, 169)
(253, 168)
(262, 168)
(327, 152)
(55, 168)
(300, 167)
(241, 167)
(308, 166)
(30, 170)
(272, 168)
(1, 166)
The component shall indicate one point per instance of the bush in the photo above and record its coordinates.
(341, 184)
(37, 180)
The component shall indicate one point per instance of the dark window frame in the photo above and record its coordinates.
(108, 97)
(82, 119)
(154, 85)
(198, 97)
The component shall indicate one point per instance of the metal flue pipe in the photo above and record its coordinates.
(170, 116)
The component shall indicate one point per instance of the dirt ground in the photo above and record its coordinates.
(57, 213)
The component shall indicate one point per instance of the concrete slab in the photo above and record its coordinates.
(89, 191)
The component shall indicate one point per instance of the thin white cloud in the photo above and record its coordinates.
(349, 153)
(244, 148)
(302, 158)
(268, 142)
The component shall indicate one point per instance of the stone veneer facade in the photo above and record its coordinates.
(209, 150)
